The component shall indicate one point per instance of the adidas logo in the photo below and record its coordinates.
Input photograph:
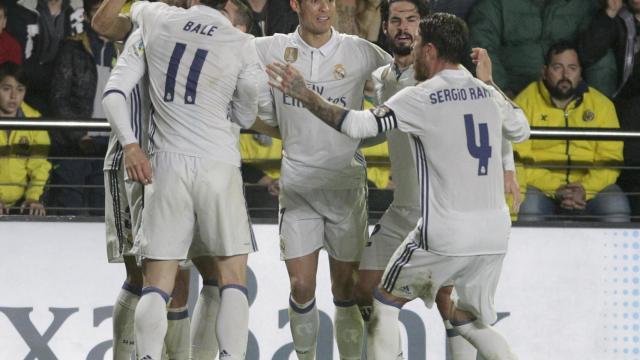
(224, 354)
(405, 289)
(146, 357)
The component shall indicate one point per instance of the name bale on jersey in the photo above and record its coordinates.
(202, 29)
(291, 101)
(447, 95)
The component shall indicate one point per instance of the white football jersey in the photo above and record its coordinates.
(388, 80)
(197, 64)
(457, 123)
(314, 155)
(124, 78)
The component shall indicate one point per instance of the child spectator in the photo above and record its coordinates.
(24, 168)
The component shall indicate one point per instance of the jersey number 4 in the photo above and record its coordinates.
(481, 152)
(192, 78)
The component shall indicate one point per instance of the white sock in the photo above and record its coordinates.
(232, 327)
(457, 346)
(177, 339)
(123, 313)
(349, 329)
(383, 342)
(304, 322)
(204, 344)
(151, 323)
(490, 343)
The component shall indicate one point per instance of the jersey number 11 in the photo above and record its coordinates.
(192, 78)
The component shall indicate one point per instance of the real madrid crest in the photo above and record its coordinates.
(291, 54)
(588, 115)
(339, 72)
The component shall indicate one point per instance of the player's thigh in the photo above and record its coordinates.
(135, 196)
(301, 228)
(345, 213)
(168, 219)
(476, 286)
(223, 221)
(388, 234)
(117, 218)
(413, 272)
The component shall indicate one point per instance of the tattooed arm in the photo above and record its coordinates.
(288, 80)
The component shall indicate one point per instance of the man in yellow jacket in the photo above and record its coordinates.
(24, 169)
(581, 175)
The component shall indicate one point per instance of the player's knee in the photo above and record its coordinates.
(443, 301)
(302, 290)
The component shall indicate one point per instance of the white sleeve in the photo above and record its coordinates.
(408, 108)
(244, 104)
(508, 164)
(128, 71)
(145, 12)
(375, 56)
(378, 84)
(360, 124)
(515, 126)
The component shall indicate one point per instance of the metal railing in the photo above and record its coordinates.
(267, 210)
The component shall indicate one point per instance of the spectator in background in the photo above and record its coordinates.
(10, 49)
(562, 99)
(617, 27)
(271, 16)
(81, 71)
(518, 33)
(359, 17)
(40, 26)
(24, 168)
(459, 8)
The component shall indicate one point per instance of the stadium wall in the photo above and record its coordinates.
(565, 293)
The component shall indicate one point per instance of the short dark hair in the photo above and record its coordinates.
(448, 33)
(216, 4)
(559, 48)
(87, 5)
(244, 14)
(14, 70)
(421, 6)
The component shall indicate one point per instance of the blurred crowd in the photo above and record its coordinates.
(567, 63)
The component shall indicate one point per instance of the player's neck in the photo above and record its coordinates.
(403, 61)
(442, 65)
(314, 40)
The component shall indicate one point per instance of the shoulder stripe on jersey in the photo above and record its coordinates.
(423, 181)
(389, 282)
(385, 118)
(116, 91)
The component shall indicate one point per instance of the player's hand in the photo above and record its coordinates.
(578, 195)
(613, 8)
(512, 187)
(272, 185)
(137, 165)
(287, 79)
(481, 59)
(35, 208)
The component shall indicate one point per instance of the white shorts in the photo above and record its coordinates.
(390, 231)
(186, 188)
(316, 218)
(416, 273)
(123, 213)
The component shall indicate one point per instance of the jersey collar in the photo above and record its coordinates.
(325, 49)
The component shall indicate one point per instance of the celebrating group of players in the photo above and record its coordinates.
(185, 84)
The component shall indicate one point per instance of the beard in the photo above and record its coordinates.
(558, 93)
(402, 50)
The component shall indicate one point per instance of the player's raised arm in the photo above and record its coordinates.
(109, 22)
(362, 124)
